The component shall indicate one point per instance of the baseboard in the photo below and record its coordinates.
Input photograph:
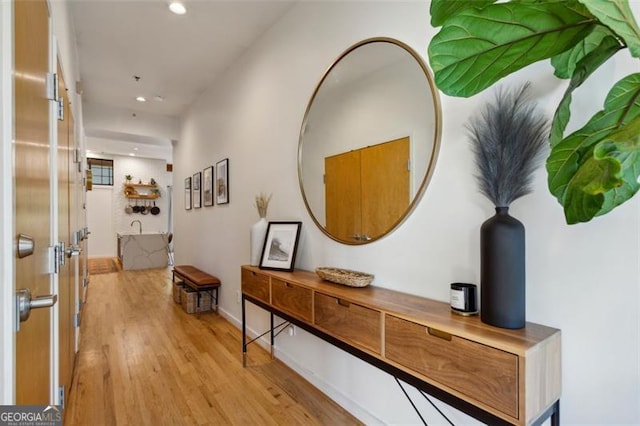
(325, 387)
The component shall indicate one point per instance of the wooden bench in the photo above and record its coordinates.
(198, 280)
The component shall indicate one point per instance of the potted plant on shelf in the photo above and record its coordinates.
(128, 178)
(508, 138)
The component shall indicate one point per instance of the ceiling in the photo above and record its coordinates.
(175, 57)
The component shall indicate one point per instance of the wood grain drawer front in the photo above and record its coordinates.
(483, 373)
(291, 298)
(349, 321)
(256, 285)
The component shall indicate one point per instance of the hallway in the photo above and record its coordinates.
(144, 361)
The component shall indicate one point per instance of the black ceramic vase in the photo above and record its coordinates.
(502, 271)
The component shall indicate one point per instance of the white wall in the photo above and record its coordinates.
(583, 279)
(106, 205)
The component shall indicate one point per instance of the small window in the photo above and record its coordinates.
(102, 171)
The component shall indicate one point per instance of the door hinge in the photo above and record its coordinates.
(61, 396)
(60, 109)
(409, 165)
(77, 320)
(79, 305)
(52, 86)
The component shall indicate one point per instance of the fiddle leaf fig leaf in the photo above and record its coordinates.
(617, 15)
(477, 47)
(565, 63)
(583, 69)
(585, 193)
(608, 178)
(625, 146)
(560, 119)
(596, 168)
(441, 10)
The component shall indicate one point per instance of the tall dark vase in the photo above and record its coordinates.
(502, 271)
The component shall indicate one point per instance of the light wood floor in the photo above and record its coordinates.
(144, 361)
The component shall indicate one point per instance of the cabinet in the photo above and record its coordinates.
(141, 191)
(496, 375)
(358, 182)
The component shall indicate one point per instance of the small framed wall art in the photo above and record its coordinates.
(207, 187)
(197, 197)
(222, 181)
(187, 193)
(280, 246)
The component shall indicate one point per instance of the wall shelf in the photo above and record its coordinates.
(141, 185)
(131, 191)
(142, 196)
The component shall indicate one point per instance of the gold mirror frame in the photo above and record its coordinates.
(430, 166)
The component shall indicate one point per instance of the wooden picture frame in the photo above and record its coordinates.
(222, 181)
(197, 197)
(207, 186)
(280, 246)
(187, 193)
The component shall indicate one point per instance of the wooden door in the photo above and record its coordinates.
(367, 190)
(342, 195)
(32, 212)
(385, 186)
(66, 293)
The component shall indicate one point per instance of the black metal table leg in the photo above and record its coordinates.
(244, 334)
(555, 417)
(273, 339)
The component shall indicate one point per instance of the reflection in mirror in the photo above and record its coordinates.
(369, 141)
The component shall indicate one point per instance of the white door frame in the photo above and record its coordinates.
(54, 369)
(7, 243)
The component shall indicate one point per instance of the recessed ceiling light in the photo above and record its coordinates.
(141, 99)
(158, 98)
(177, 7)
(131, 154)
(135, 149)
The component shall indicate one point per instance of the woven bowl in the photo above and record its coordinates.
(345, 276)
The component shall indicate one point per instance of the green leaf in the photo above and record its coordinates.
(581, 156)
(585, 195)
(565, 62)
(477, 47)
(613, 169)
(617, 15)
(560, 119)
(625, 146)
(583, 69)
(441, 10)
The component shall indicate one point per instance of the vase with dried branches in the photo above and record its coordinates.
(508, 138)
(259, 229)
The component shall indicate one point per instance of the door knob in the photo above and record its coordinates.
(365, 237)
(25, 303)
(26, 245)
(356, 236)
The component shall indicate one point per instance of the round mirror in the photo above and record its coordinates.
(369, 141)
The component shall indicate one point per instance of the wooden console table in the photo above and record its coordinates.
(496, 375)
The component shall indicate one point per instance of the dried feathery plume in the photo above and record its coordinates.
(508, 138)
(262, 204)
